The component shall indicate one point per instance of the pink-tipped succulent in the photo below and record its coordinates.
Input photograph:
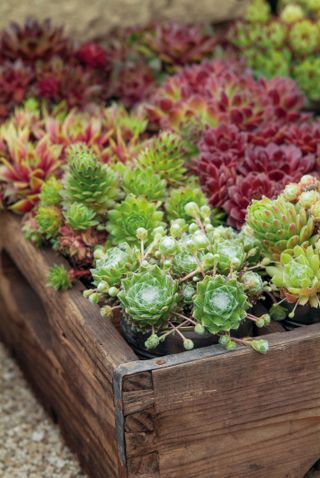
(25, 169)
(177, 44)
(34, 41)
(218, 91)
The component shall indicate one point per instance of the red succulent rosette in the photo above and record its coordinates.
(252, 186)
(222, 145)
(179, 44)
(93, 55)
(34, 41)
(285, 163)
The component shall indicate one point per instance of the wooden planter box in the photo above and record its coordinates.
(200, 414)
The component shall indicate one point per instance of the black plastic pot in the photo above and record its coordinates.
(304, 315)
(173, 343)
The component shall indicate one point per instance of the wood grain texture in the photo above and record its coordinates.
(140, 430)
(67, 351)
(241, 414)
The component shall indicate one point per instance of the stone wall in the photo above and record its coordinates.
(88, 18)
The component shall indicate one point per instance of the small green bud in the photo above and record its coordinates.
(265, 261)
(205, 212)
(95, 297)
(200, 240)
(277, 312)
(196, 278)
(208, 260)
(98, 252)
(142, 234)
(266, 318)
(193, 228)
(113, 291)
(86, 293)
(199, 329)
(106, 311)
(209, 227)
(168, 246)
(152, 342)
(291, 192)
(103, 286)
(192, 209)
(308, 198)
(260, 346)
(230, 345)
(308, 180)
(224, 340)
(188, 344)
(260, 322)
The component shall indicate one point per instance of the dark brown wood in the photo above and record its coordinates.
(65, 348)
(206, 413)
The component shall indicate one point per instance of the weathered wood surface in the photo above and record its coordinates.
(65, 348)
(200, 414)
(238, 414)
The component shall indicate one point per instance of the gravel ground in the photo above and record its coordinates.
(30, 444)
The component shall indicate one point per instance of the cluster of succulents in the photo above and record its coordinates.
(193, 198)
(141, 57)
(33, 145)
(283, 45)
(184, 273)
(287, 229)
(39, 60)
(220, 91)
(236, 167)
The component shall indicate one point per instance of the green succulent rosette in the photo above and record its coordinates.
(307, 75)
(230, 255)
(148, 297)
(297, 275)
(79, 217)
(49, 220)
(269, 64)
(258, 11)
(89, 182)
(252, 283)
(145, 183)
(279, 225)
(184, 262)
(165, 157)
(59, 279)
(114, 264)
(220, 304)
(131, 214)
(303, 37)
(178, 198)
(51, 192)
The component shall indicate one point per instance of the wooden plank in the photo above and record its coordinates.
(140, 433)
(65, 348)
(241, 414)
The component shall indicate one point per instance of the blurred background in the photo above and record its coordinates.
(88, 19)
